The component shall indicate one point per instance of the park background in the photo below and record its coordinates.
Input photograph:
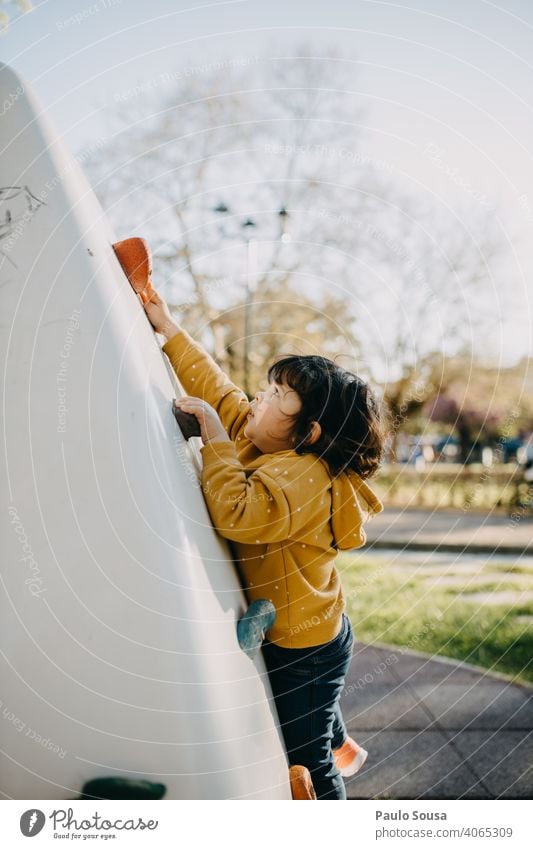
(351, 179)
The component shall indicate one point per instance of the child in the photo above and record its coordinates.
(283, 479)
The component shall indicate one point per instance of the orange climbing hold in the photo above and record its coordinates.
(135, 258)
(301, 783)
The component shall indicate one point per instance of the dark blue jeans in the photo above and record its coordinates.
(307, 684)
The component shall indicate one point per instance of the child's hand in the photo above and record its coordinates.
(158, 313)
(211, 428)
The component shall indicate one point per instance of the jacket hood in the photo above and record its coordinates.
(353, 502)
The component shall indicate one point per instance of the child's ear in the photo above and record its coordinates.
(314, 434)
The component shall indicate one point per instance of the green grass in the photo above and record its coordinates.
(513, 569)
(403, 610)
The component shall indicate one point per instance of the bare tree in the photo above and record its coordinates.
(381, 276)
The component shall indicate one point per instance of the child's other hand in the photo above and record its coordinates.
(211, 428)
(158, 313)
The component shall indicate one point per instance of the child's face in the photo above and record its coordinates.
(267, 427)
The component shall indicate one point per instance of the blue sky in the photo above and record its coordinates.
(455, 75)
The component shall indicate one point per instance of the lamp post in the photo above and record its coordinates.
(246, 231)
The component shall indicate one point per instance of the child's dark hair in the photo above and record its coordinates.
(343, 404)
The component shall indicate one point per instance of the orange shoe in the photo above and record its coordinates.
(349, 758)
(301, 783)
(135, 258)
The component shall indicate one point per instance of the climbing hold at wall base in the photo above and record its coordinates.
(252, 627)
(122, 788)
(301, 783)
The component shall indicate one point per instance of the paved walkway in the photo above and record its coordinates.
(451, 530)
(436, 729)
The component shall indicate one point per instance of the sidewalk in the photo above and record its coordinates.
(436, 729)
(450, 530)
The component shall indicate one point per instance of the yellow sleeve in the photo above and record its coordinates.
(200, 375)
(256, 509)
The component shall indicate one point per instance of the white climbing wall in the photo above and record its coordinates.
(118, 600)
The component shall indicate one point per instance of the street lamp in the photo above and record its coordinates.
(246, 232)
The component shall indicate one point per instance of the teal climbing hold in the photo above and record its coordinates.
(122, 788)
(251, 629)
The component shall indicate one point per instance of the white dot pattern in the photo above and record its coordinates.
(334, 492)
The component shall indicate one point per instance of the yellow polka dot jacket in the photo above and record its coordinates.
(285, 514)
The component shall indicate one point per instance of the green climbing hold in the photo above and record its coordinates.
(251, 629)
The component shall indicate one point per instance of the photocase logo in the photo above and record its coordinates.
(31, 822)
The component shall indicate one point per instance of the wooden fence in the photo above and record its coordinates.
(452, 485)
